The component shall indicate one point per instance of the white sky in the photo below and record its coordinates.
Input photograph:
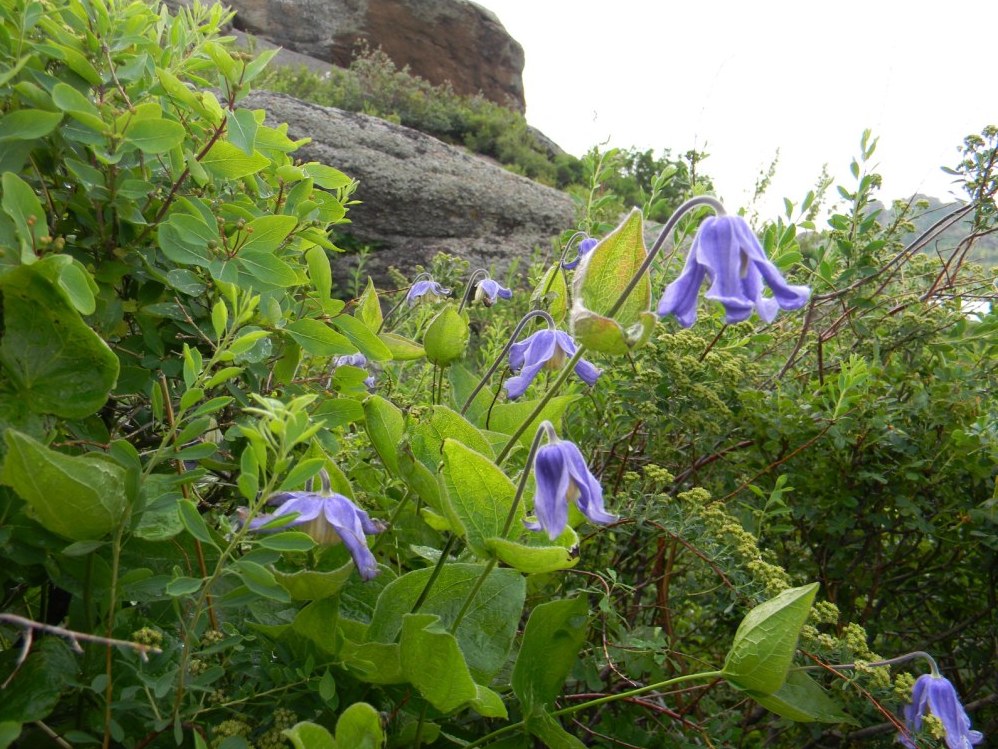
(741, 79)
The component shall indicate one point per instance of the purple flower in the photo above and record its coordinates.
(562, 477)
(727, 252)
(585, 247)
(488, 291)
(545, 348)
(328, 519)
(425, 291)
(938, 695)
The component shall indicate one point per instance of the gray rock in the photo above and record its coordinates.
(421, 196)
(440, 40)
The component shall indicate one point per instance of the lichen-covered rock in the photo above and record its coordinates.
(421, 196)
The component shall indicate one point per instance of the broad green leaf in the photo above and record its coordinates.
(802, 699)
(268, 267)
(427, 435)
(368, 309)
(259, 580)
(359, 727)
(385, 427)
(421, 480)
(55, 362)
(541, 556)
(362, 337)
(607, 336)
(605, 272)
(268, 233)
(76, 282)
(326, 176)
(318, 339)
(28, 124)
(154, 136)
(446, 336)
(337, 412)
(546, 727)
(314, 585)
(496, 610)
(77, 497)
(319, 271)
(489, 704)
(432, 662)
(764, 644)
(241, 127)
(22, 205)
(308, 735)
(194, 522)
(555, 632)
(507, 417)
(402, 349)
(551, 293)
(9, 731)
(180, 251)
(478, 496)
(34, 691)
(227, 161)
(375, 662)
(78, 106)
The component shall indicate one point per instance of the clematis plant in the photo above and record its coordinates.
(544, 349)
(425, 290)
(355, 360)
(935, 694)
(726, 251)
(585, 247)
(562, 476)
(329, 518)
(488, 291)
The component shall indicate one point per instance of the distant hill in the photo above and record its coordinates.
(985, 250)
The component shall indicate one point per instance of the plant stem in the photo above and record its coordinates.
(434, 575)
(489, 566)
(512, 727)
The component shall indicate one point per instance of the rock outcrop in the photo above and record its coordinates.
(421, 196)
(440, 40)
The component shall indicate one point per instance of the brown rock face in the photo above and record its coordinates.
(440, 40)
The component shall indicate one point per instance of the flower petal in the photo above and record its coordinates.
(344, 516)
(550, 499)
(517, 386)
(680, 297)
(945, 705)
(590, 500)
(588, 372)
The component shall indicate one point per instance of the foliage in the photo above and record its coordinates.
(172, 362)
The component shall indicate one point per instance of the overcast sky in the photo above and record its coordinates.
(741, 79)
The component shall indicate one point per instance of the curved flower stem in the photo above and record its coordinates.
(509, 344)
(434, 575)
(489, 738)
(670, 225)
(480, 273)
(400, 302)
(933, 667)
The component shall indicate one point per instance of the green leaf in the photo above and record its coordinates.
(34, 691)
(802, 699)
(325, 176)
(79, 287)
(446, 336)
(77, 497)
(154, 136)
(368, 309)
(385, 426)
(362, 337)
(9, 731)
(318, 339)
(268, 268)
(479, 496)
(22, 205)
(359, 727)
(313, 585)
(507, 417)
(551, 293)
(28, 124)
(544, 726)
(259, 580)
(402, 349)
(432, 662)
(194, 522)
(308, 735)
(268, 233)
(606, 335)
(427, 436)
(227, 161)
(319, 271)
(241, 127)
(551, 641)
(539, 557)
(496, 610)
(78, 106)
(183, 586)
(764, 644)
(605, 272)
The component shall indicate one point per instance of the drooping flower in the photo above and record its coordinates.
(355, 360)
(328, 519)
(545, 348)
(426, 290)
(727, 252)
(489, 290)
(585, 247)
(562, 476)
(937, 695)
